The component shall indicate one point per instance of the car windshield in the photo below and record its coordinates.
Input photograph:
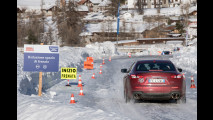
(155, 66)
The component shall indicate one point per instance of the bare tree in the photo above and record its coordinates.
(113, 8)
(110, 28)
(28, 31)
(50, 35)
(132, 30)
(185, 13)
(149, 21)
(123, 28)
(159, 6)
(141, 4)
(103, 31)
(20, 29)
(158, 29)
(20, 33)
(70, 25)
(154, 3)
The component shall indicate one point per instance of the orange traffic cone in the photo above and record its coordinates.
(159, 54)
(93, 76)
(79, 81)
(81, 92)
(110, 58)
(101, 66)
(72, 100)
(103, 62)
(192, 82)
(100, 71)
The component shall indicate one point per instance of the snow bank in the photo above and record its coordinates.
(99, 50)
(68, 57)
(31, 106)
(156, 48)
(186, 58)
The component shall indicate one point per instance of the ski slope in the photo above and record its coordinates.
(103, 98)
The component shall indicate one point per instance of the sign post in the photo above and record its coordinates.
(40, 81)
(40, 84)
(41, 58)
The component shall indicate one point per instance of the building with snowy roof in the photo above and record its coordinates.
(156, 3)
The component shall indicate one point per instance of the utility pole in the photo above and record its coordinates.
(118, 19)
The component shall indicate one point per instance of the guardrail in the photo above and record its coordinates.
(131, 49)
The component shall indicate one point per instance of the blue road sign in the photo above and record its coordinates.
(41, 58)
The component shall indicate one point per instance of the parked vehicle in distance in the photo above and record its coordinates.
(166, 53)
(154, 80)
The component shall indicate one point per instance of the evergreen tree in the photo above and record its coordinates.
(31, 38)
(180, 27)
(113, 7)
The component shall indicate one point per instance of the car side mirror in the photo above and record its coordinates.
(179, 69)
(124, 70)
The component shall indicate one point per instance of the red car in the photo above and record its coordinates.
(154, 80)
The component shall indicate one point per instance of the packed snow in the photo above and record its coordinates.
(103, 98)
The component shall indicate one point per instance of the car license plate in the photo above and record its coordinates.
(156, 80)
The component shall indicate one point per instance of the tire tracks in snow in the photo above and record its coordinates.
(115, 103)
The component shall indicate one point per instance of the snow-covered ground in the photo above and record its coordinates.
(103, 98)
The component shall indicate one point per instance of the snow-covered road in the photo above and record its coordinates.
(103, 97)
(108, 95)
